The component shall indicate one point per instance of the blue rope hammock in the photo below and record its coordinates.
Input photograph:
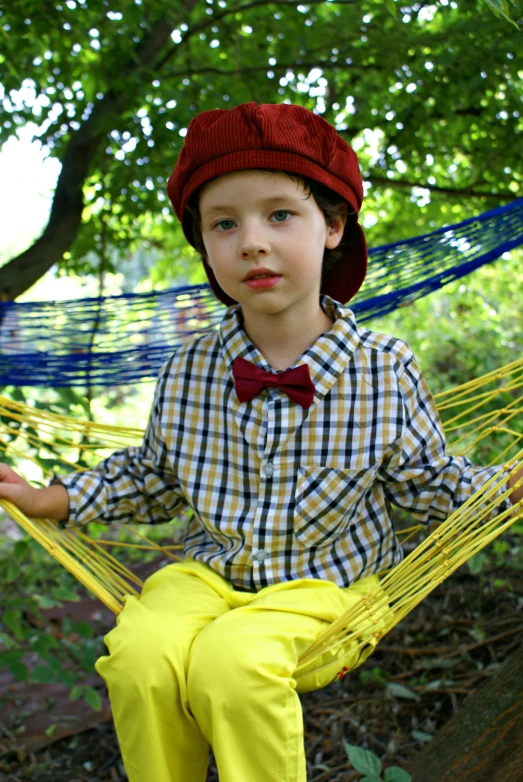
(114, 340)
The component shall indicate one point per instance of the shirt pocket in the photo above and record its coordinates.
(325, 501)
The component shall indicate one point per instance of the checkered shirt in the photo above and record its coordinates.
(279, 492)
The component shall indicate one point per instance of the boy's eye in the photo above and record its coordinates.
(280, 214)
(220, 223)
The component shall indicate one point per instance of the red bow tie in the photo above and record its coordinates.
(249, 380)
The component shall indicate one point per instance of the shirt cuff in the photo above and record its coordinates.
(68, 484)
(503, 474)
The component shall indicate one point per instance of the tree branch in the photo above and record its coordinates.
(21, 272)
(278, 67)
(214, 18)
(402, 184)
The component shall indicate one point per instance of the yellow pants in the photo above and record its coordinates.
(193, 663)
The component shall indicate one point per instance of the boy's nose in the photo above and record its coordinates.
(253, 240)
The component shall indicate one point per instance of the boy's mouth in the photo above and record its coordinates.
(262, 280)
(259, 273)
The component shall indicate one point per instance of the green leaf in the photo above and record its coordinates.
(10, 572)
(435, 684)
(67, 678)
(391, 7)
(396, 774)
(54, 663)
(85, 657)
(83, 629)
(45, 602)
(50, 730)
(76, 692)
(43, 644)
(92, 697)
(20, 549)
(11, 656)
(373, 675)
(19, 671)
(477, 562)
(400, 691)
(11, 619)
(420, 735)
(66, 594)
(363, 760)
(43, 674)
(477, 634)
(500, 9)
(371, 778)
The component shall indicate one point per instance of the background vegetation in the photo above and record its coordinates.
(429, 94)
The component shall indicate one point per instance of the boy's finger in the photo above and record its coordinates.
(4, 469)
(7, 475)
(9, 491)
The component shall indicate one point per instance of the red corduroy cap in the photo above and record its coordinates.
(280, 137)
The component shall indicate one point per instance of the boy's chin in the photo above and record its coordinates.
(267, 306)
(263, 305)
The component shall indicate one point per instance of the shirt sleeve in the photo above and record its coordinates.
(421, 477)
(136, 484)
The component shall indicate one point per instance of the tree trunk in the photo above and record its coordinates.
(484, 741)
(21, 272)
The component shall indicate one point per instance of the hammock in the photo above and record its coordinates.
(79, 343)
(476, 415)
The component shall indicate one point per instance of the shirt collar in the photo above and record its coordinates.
(327, 358)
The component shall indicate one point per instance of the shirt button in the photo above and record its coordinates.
(259, 556)
(268, 470)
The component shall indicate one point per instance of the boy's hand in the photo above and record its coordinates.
(49, 503)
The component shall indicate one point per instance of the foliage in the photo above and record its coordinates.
(366, 762)
(479, 326)
(465, 330)
(502, 9)
(33, 648)
(114, 89)
(31, 583)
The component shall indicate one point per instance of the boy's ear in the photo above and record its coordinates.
(335, 230)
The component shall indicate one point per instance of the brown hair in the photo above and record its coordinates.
(331, 204)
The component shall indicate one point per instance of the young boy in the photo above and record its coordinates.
(289, 432)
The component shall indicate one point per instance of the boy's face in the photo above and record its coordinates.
(254, 220)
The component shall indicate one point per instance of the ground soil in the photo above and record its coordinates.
(422, 673)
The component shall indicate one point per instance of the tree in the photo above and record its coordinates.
(114, 85)
(482, 742)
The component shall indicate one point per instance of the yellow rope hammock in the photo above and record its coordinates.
(474, 413)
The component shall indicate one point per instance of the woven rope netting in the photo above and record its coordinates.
(113, 340)
(480, 417)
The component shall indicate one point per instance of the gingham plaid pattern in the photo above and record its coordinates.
(280, 492)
